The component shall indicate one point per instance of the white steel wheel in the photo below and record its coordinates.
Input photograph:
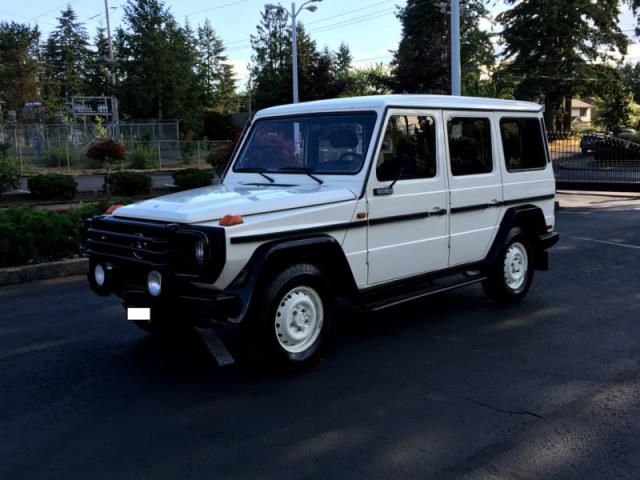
(516, 267)
(299, 319)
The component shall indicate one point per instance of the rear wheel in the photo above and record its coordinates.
(510, 278)
(293, 316)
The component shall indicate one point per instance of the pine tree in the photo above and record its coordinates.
(67, 56)
(211, 61)
(343, 60)
(158, 66)
(422, 62)
(552, 45)
(99, 80)
(18, 64)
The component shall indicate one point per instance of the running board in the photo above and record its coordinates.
(419, 294)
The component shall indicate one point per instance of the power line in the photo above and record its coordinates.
(324, 19)
(225, 5)
(57, 9)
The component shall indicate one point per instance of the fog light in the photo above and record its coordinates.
(99, 275)
(199, 252)
(154, 283)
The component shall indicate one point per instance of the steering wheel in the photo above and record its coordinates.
(355, 156)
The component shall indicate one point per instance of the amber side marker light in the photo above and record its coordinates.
(231, 220)
(113, 208)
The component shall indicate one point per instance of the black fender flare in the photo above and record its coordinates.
(531, 219)
(323, 250)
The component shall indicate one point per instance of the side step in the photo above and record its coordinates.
(420, 293)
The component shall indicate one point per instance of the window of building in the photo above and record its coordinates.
(408, 149)
(470, 146)
(583, 112)
(523, 144)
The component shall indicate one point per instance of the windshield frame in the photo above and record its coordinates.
(346, 113)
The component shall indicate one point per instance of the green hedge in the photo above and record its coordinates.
(9, 174)
(192, 178)
(143, 157)
(53, 186)
(130, 184)
(34, 235)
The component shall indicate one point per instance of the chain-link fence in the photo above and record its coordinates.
(63, 147)
(596, 161)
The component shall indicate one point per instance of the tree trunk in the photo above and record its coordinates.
(566, 124)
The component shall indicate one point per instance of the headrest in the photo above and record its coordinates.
(343, 138)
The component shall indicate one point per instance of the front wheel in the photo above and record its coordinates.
(509, 280)
(293, 316)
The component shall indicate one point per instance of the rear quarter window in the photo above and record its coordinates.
(523, 144)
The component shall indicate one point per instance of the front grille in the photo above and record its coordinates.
(129, 241)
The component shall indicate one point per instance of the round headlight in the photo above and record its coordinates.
(99, 275)
(154, 283)
(199, 252)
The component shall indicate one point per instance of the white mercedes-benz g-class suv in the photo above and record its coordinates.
(364, 202)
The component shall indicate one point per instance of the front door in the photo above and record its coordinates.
(407, 198)
(475, 183)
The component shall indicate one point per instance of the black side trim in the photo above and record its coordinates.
(401, 218)
(297, 233)
(506, 203)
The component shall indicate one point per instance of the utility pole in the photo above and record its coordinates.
(456, 75)
(115, 117)
(294, 37)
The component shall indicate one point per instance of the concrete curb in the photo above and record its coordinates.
(43, 271)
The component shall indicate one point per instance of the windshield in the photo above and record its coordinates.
(322, 144)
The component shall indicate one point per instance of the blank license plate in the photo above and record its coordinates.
(138, 314)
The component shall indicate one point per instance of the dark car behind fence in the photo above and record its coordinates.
(595, 161)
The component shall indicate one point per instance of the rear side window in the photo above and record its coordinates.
(523, 144)
(470, 146)
(408, 149)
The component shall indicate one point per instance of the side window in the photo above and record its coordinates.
(523, 144)
(470, 146)
(408, 149)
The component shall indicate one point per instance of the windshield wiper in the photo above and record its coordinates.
(258, 170)
(307, 171)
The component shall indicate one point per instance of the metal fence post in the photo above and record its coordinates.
(159, 154)
(15, 141)
(199, 160)
(66, 145)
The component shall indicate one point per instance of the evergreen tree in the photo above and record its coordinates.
(225, 93)
(18, 64)
(552, 45)
(422, 62)
(343, 60)
(631, 78)
(99, 81)
(67, 57)
(211, 61)
(158, 66)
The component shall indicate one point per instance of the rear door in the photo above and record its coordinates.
(407, 198)
(475, 182)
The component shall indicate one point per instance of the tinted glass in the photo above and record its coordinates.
(470, 146)
(522, 143)
(408, 149)
(319, 143)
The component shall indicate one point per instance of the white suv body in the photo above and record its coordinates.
(378, 200)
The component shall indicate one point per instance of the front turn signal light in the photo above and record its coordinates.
(231, 220)
(113, 208)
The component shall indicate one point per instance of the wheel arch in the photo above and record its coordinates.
(530, 218)
(321, 250)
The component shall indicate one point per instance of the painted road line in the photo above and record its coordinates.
(604, 242)
(216, 347)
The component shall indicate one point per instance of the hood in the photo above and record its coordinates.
(213, 203)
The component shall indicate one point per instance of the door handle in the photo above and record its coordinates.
(438, 212)
(495, 203)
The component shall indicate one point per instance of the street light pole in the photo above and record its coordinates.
(294, 52)
(115, 116)
(456, 80)
(294, 37)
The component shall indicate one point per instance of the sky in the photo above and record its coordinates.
(369, 27)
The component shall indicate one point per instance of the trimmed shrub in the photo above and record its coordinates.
(129, 184)
(192, 178)
(33, 235)
(9, 173)
(143, 157)
(53, 186)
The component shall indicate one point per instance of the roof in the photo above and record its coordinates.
(379, 102)
(580, 104)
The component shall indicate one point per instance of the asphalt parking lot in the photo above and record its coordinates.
(450, 387)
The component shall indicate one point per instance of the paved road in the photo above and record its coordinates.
(449, 388)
